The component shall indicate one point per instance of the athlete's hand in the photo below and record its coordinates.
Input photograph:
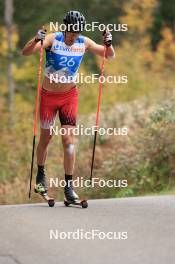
(41, 34)
(107, 38)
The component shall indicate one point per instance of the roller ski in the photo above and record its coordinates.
(40, 189)
(72, 198)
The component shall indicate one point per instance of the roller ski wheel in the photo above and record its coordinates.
(82, 203)
(44, 195)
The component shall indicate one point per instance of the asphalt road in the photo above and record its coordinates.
(144, 231)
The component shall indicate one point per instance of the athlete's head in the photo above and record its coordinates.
(75, 23)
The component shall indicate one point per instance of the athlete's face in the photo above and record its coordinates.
(70, 38)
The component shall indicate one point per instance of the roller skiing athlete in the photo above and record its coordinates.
(64, 53)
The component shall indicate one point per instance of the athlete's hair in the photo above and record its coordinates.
(74, 21)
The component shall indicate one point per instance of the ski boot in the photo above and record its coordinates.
(72, 198)
(41, 189)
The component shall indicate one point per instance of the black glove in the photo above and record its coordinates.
(107, 38)
(41, 34)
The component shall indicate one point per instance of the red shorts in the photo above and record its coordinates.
(65, 103)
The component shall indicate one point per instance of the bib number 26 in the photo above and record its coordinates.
(64, 61)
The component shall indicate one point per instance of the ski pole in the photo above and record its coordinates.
(98, 111)
(36, 114)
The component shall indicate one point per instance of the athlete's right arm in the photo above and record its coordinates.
(33, 46)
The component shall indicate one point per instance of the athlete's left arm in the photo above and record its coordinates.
(99, 49)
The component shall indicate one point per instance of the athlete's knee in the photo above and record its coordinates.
(69, 148)
(68, 145)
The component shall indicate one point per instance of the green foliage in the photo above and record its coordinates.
(164, 113)
(151, 166)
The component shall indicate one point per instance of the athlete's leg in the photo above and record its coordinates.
(68, 114)
(47, 118)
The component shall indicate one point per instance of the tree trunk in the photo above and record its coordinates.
(9, 30)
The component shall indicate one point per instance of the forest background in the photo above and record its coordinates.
(145, 53)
